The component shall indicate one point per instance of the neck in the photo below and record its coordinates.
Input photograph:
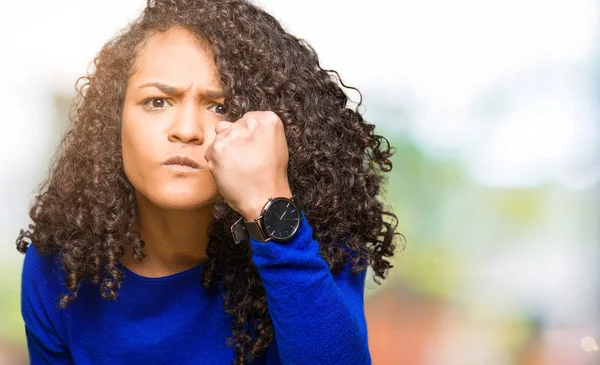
(175, 240)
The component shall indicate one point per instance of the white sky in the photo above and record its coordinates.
(436, 58)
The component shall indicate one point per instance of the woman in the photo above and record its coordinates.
(214, 201)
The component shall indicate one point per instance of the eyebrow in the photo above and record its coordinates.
(173, 90)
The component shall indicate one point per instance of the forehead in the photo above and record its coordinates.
(176, 57)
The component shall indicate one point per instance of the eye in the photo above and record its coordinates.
(218, 108)
(155, 103)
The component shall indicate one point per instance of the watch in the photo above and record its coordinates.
(279, 221)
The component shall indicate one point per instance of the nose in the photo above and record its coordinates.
(187, 126)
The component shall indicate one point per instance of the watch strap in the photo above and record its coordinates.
(255, 231)
(242, 229)
(239, 231)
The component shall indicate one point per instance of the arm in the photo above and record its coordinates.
(318, 317)
(41, 315)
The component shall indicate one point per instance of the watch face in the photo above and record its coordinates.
(281, 219)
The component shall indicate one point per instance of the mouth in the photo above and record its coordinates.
(182, 163)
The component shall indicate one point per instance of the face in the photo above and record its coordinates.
(172, 105)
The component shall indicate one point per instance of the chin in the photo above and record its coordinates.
(189, 203)
(182, 200)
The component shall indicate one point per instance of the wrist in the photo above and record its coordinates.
(280, 215)
(253, 208)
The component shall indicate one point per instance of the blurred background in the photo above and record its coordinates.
(493, 107)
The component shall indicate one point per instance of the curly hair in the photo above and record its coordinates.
(86, 209)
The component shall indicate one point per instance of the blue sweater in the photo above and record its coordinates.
(318, 317)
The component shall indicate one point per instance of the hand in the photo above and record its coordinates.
(249, 160)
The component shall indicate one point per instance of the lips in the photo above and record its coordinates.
(183, 161)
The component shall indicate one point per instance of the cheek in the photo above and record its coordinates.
(135, 154)
(130, 160)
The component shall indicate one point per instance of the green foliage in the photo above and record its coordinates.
(11, 323)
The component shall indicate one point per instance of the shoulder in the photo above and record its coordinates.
(41, 287)
(37, 264)
(42, 277)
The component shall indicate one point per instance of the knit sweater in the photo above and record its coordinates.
(318, 317)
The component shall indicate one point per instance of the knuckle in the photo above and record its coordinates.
(251, 123)
(251, 114)
(261, 118)
(234, 135)
(272, 118)
(218, 145)
(220, 125)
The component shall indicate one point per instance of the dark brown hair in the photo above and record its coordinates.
(86, 209)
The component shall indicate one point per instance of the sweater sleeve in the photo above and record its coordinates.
(43, 320)
(318, 317)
